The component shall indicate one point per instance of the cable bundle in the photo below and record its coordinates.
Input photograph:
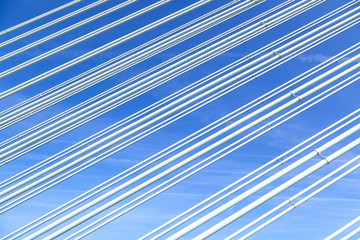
(174, 164)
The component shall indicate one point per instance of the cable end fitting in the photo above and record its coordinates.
(281, 162)
(264, 23)
(322, 156)
(290, 200)
(269, 126)
(277, 54)
(295, 96)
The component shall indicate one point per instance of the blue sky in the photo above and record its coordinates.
(314, 220)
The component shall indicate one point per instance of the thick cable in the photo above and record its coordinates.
(171, 147)
(249, 56)
(168, 171)
(344, 228)
(278, 190)
(33, 139)
(209, 158)
(99, 49)
(351, 234)
(118, 57)
(39, 17)
(184, 104)
(353, 59)
(55, 97)
(48, 24)
(297, 204)
(270, 126)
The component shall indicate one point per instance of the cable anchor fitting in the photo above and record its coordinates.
(277, 54)
(295, 206)
(322, 156)
(295, 96)
(260, 100)
(269, 126)
(281, 162)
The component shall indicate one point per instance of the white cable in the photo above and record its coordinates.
(171, 147)
(148, 109)
(168, 171)
(344, 228)
(279, 189)
(55, 97)
(160, 117)
(249, 57)
(351, 234)
(297, 204)
(151, 130)
(53, 22)
(95, 51)
(252, 190)
(82, 38)
(278, 159)
(108, 102)
(119, 57)
(330, 92)
(39, 17)
(194, 99)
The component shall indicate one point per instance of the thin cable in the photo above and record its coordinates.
(39, 17)
(59, 95)
(53, 22)
(297, 204)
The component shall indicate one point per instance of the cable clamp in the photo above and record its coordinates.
(322, 157)
(276, 53)
(264, 23)
(292, 203)
(254, 76)
(295, 96)
(281, 162)
(260, 100)
(268, 125)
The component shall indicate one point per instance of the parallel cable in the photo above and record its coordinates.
(119, 57)
(172, 147)
(179, 107)
(133, 140)
(279, 160)
(82, 38)
(57, 96)
(51, 23)
(344, 228)
(255, 102)
(160, 117)
(282, 187)
(95, 51)
(168, 171)
(266, 182)
(297, 204)
(352, 234)
(211, 157)
(230, 74)
(39, 17)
